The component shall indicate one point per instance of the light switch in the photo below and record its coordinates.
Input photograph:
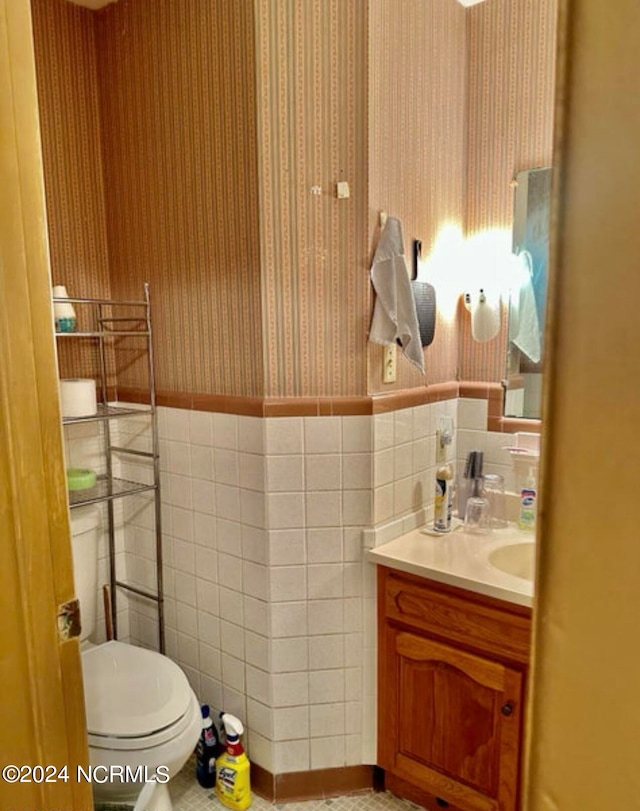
(342, 189)
(389, 364)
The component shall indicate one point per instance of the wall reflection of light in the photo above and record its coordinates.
(490, 263)
(457, 265)
(442, 268)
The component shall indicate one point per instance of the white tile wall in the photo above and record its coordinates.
(263, 534)
(270, 607)
(403, 472)
(473, 435)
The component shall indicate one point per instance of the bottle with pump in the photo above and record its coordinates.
(528, 499)
(206, 751)
(443, 505)
(233, 786)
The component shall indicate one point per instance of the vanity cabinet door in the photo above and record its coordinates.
(452, 722)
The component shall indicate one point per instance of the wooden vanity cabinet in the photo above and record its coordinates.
(451, 685)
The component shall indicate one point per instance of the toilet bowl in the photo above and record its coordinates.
(141, 711)
(141, 715)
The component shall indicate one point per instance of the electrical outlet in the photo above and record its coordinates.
(389, 364)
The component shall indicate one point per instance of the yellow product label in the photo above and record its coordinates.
(233, 786)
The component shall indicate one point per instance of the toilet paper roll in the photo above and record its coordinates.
(78, 397)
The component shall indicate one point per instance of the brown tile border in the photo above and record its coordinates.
(397, 400)
(291, 407)
(495, 402)
(509, 425)
(174, 399)
(296, 406)
(342, 406)
(350, 406)
(129, 395)
(311, 785)
(323, 783)
(443, 391)
(226, 404)
(223, 403)
(409, 398)
(262, 782)
(479, 390)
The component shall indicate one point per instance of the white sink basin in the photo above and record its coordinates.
(518, 559)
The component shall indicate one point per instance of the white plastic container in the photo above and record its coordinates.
(63, 311)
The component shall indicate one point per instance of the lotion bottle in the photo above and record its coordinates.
(528, 501)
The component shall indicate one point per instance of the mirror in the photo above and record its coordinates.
(527, 304)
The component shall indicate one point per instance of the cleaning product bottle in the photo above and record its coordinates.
(528, 498)
(233, 785)
(206, 751)
(443, 505)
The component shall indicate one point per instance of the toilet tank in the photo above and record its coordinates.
(85, 535)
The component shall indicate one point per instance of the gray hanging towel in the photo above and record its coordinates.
(394, 315)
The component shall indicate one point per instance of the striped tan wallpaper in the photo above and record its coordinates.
(312, 113)
(417, 92)
(177, 101)
(511, 48)
(215, 123)
(64, 42)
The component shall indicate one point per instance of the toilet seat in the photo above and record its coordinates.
(134, 698)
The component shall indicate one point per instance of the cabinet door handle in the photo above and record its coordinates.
(507, 709)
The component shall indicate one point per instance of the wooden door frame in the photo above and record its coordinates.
(42, 705)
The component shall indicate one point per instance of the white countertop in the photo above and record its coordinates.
(459, 559)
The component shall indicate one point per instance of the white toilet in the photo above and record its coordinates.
(141, 710)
